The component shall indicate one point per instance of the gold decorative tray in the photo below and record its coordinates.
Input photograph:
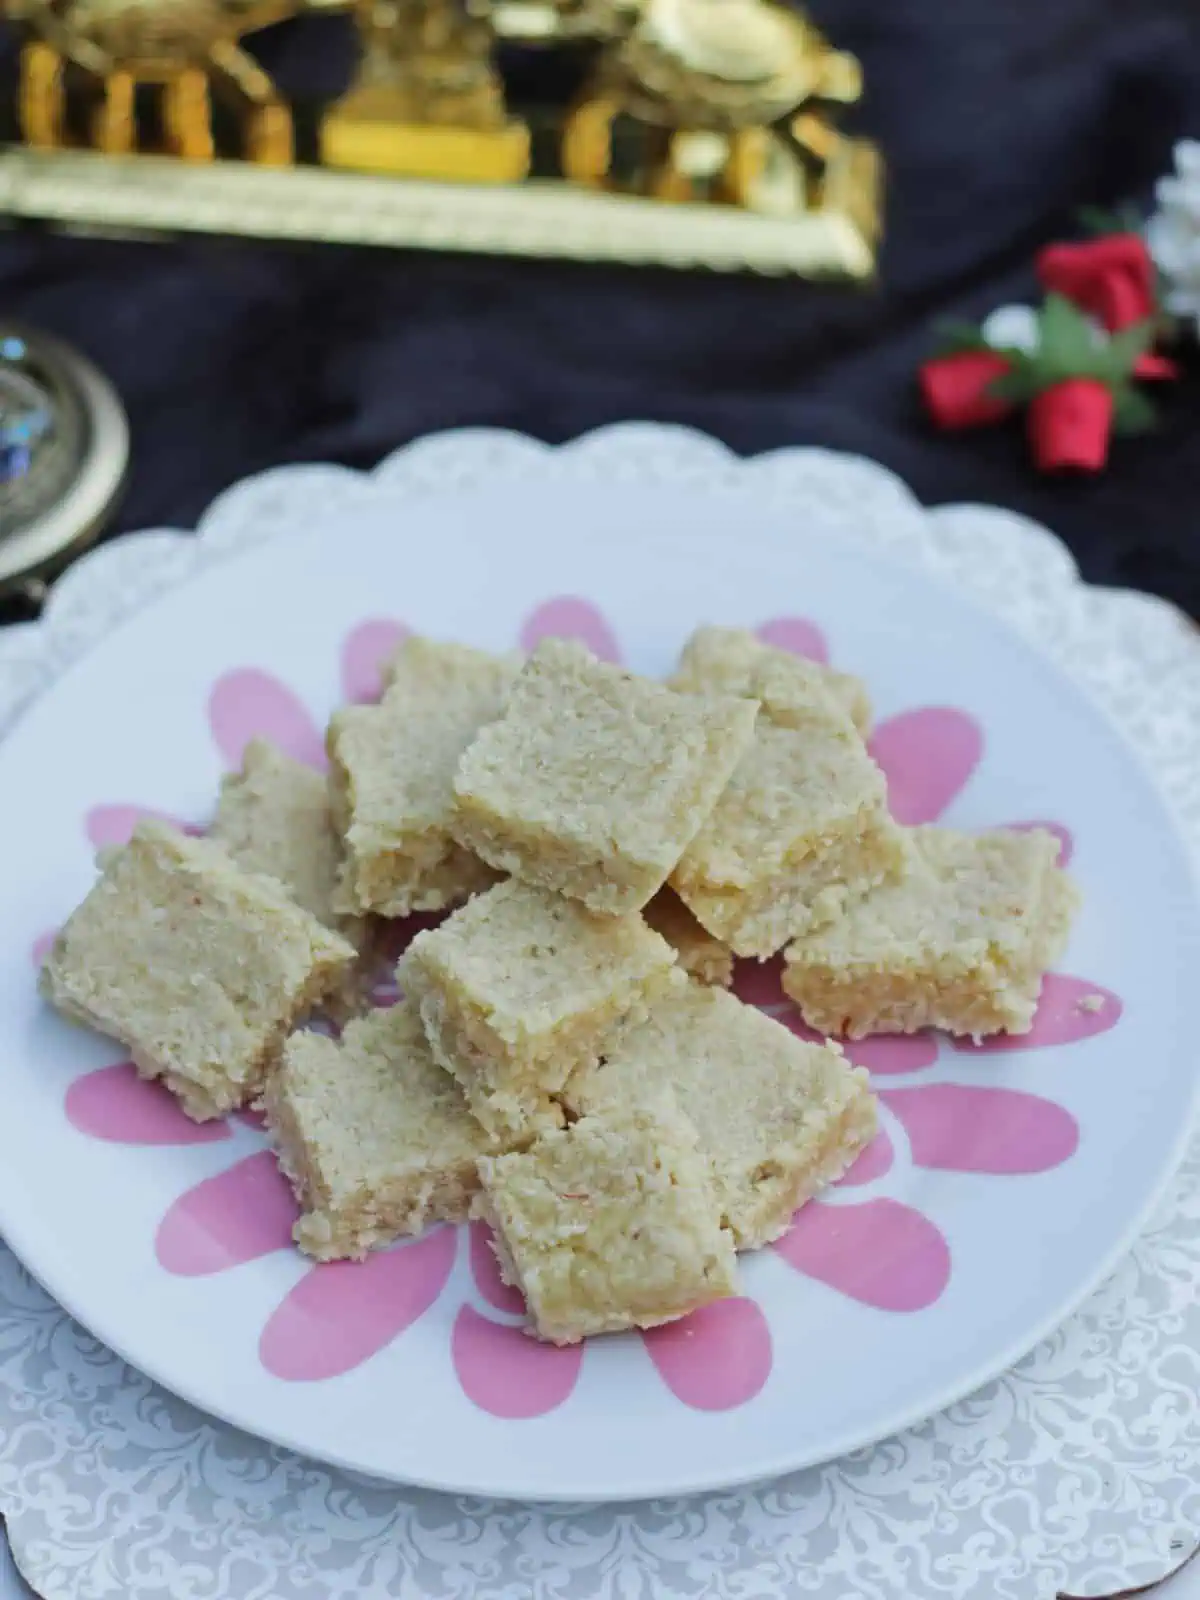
(697, 133)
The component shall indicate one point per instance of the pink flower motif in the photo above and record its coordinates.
(857, 1240)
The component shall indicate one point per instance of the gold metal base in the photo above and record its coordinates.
(362, 134)
(537, 218)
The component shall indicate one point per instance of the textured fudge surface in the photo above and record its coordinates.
(700, 953)
(778, 1118)
(374, 1135)
(801, 830)
(200, 968)
(519, 988)
(961, 943)
(273, 816)
(594, 781)
(392, 772)
(610, 1224)
(734, 661)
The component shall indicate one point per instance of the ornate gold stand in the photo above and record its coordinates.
(704, 133)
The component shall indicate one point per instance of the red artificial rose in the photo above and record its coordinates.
(1112, 279)
(1070, 425)
(955, 388)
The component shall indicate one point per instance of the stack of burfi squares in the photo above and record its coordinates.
(566, 1060)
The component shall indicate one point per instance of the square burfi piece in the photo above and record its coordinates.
(699, 953)
(273, 817)
(594, 781)
(962, 943)
(375, 1137)
(734, 661)
(610, 1224)
(801, 832)
(777, 1118)
(200, 969)
(391, 779)
(520, 988)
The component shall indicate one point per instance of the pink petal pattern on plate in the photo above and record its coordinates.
(364, 651)
(505, 1372)
(113, 824)
(1070, 1009)
(342, 1313)
(715, 1359)
(1066, 844)
(955, 1127)
(872, 1163)
(885, 1053)
(568, 617)
(928, 756)
(485, 1270)
(41, 947)
(239, 1215)
(249, 704)
(115, 1105)
(879, 1252)
(798, 635)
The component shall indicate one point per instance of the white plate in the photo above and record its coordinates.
(1015, 1178)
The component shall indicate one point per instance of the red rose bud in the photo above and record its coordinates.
(1070, 424)
(955, 389)
(1112, 279)
(1152, 366)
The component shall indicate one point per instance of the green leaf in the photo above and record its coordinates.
(1132, 412)
(1125, 347)
(1017, 385)
(1066, 344)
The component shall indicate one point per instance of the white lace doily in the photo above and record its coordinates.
(1080, 1469)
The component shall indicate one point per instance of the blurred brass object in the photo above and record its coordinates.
(177, 46)
(428, 101)
(700, 108)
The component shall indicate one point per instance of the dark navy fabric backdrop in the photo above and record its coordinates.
(999, 118)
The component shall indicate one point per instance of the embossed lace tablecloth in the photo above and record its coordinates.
(1080, 1469)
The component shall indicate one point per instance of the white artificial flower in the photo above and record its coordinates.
(1173, 233)
(1016, 328)
(1012, 328)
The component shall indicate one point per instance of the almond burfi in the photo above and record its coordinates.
(520, 988)
(391, 776)
(733, 661)
(777, 1118)
(273, 816)
(610, 1224)
(801, 831)
(594, 781)
(961, 944)
(700, 954)
(375, 1137)
(199, 968)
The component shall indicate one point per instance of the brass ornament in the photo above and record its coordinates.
(716, 106)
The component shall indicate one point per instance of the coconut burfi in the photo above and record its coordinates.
(391, 778)
(801, 831)
(777, 1118)
(520, 988)
(374, 1136)
(733, 661)
(594, 781)
(962, 943)
(699, 953)
(273, 817)
(612, 1223)
(199, 968)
